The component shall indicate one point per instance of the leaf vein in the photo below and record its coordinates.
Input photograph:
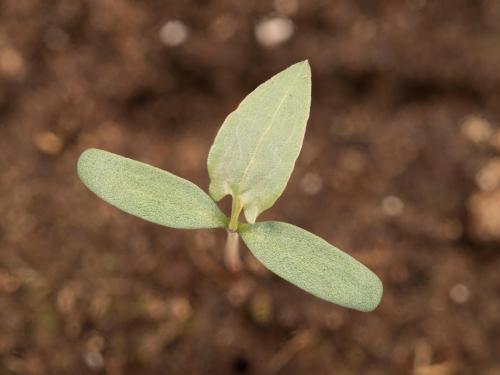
(261, 138)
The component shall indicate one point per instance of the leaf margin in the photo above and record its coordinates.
(220, 189)
(88, 159)
(374, 284)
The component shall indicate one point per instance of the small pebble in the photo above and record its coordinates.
(12, 64)
(459, 293)
(174, 33)
(484, 216)
(94, 361)
(180, 308)
(311, 183)
(476, 129)
(48, 143)
(273, 31)
(392, 206)
(488, 178)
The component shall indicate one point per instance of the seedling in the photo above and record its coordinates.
(251, 159)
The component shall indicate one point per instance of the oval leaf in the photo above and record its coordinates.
(255, 150)
(148, 192)
(312, 264)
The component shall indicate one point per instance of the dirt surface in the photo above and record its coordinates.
(398, 169)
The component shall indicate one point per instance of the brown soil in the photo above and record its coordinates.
(405, 112)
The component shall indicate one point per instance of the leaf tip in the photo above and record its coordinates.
(84, 161)
(374, 290)
(303, 67)
(251, 212)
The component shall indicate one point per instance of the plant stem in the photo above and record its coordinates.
(232, 252)
(235, 214)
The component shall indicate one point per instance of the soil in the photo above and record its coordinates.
(405, 117)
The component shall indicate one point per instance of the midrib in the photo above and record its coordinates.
(268, 128)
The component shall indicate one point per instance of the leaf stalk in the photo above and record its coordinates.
(232, 257)
(235, 214)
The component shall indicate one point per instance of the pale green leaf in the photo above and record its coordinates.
(148, 192)
(312, 264)
(255, 150)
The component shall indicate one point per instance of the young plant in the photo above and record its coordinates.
(251, 159)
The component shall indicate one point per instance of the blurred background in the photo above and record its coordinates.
(400, 168)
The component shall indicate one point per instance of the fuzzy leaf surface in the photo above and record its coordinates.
(148, 192)
(255, 150)
(312, 264)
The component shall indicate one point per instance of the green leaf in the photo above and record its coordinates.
(255, 150)
(312, 264)
(148, 192)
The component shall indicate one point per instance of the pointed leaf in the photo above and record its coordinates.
(148, 192)
(255, 150)
(312, 264)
